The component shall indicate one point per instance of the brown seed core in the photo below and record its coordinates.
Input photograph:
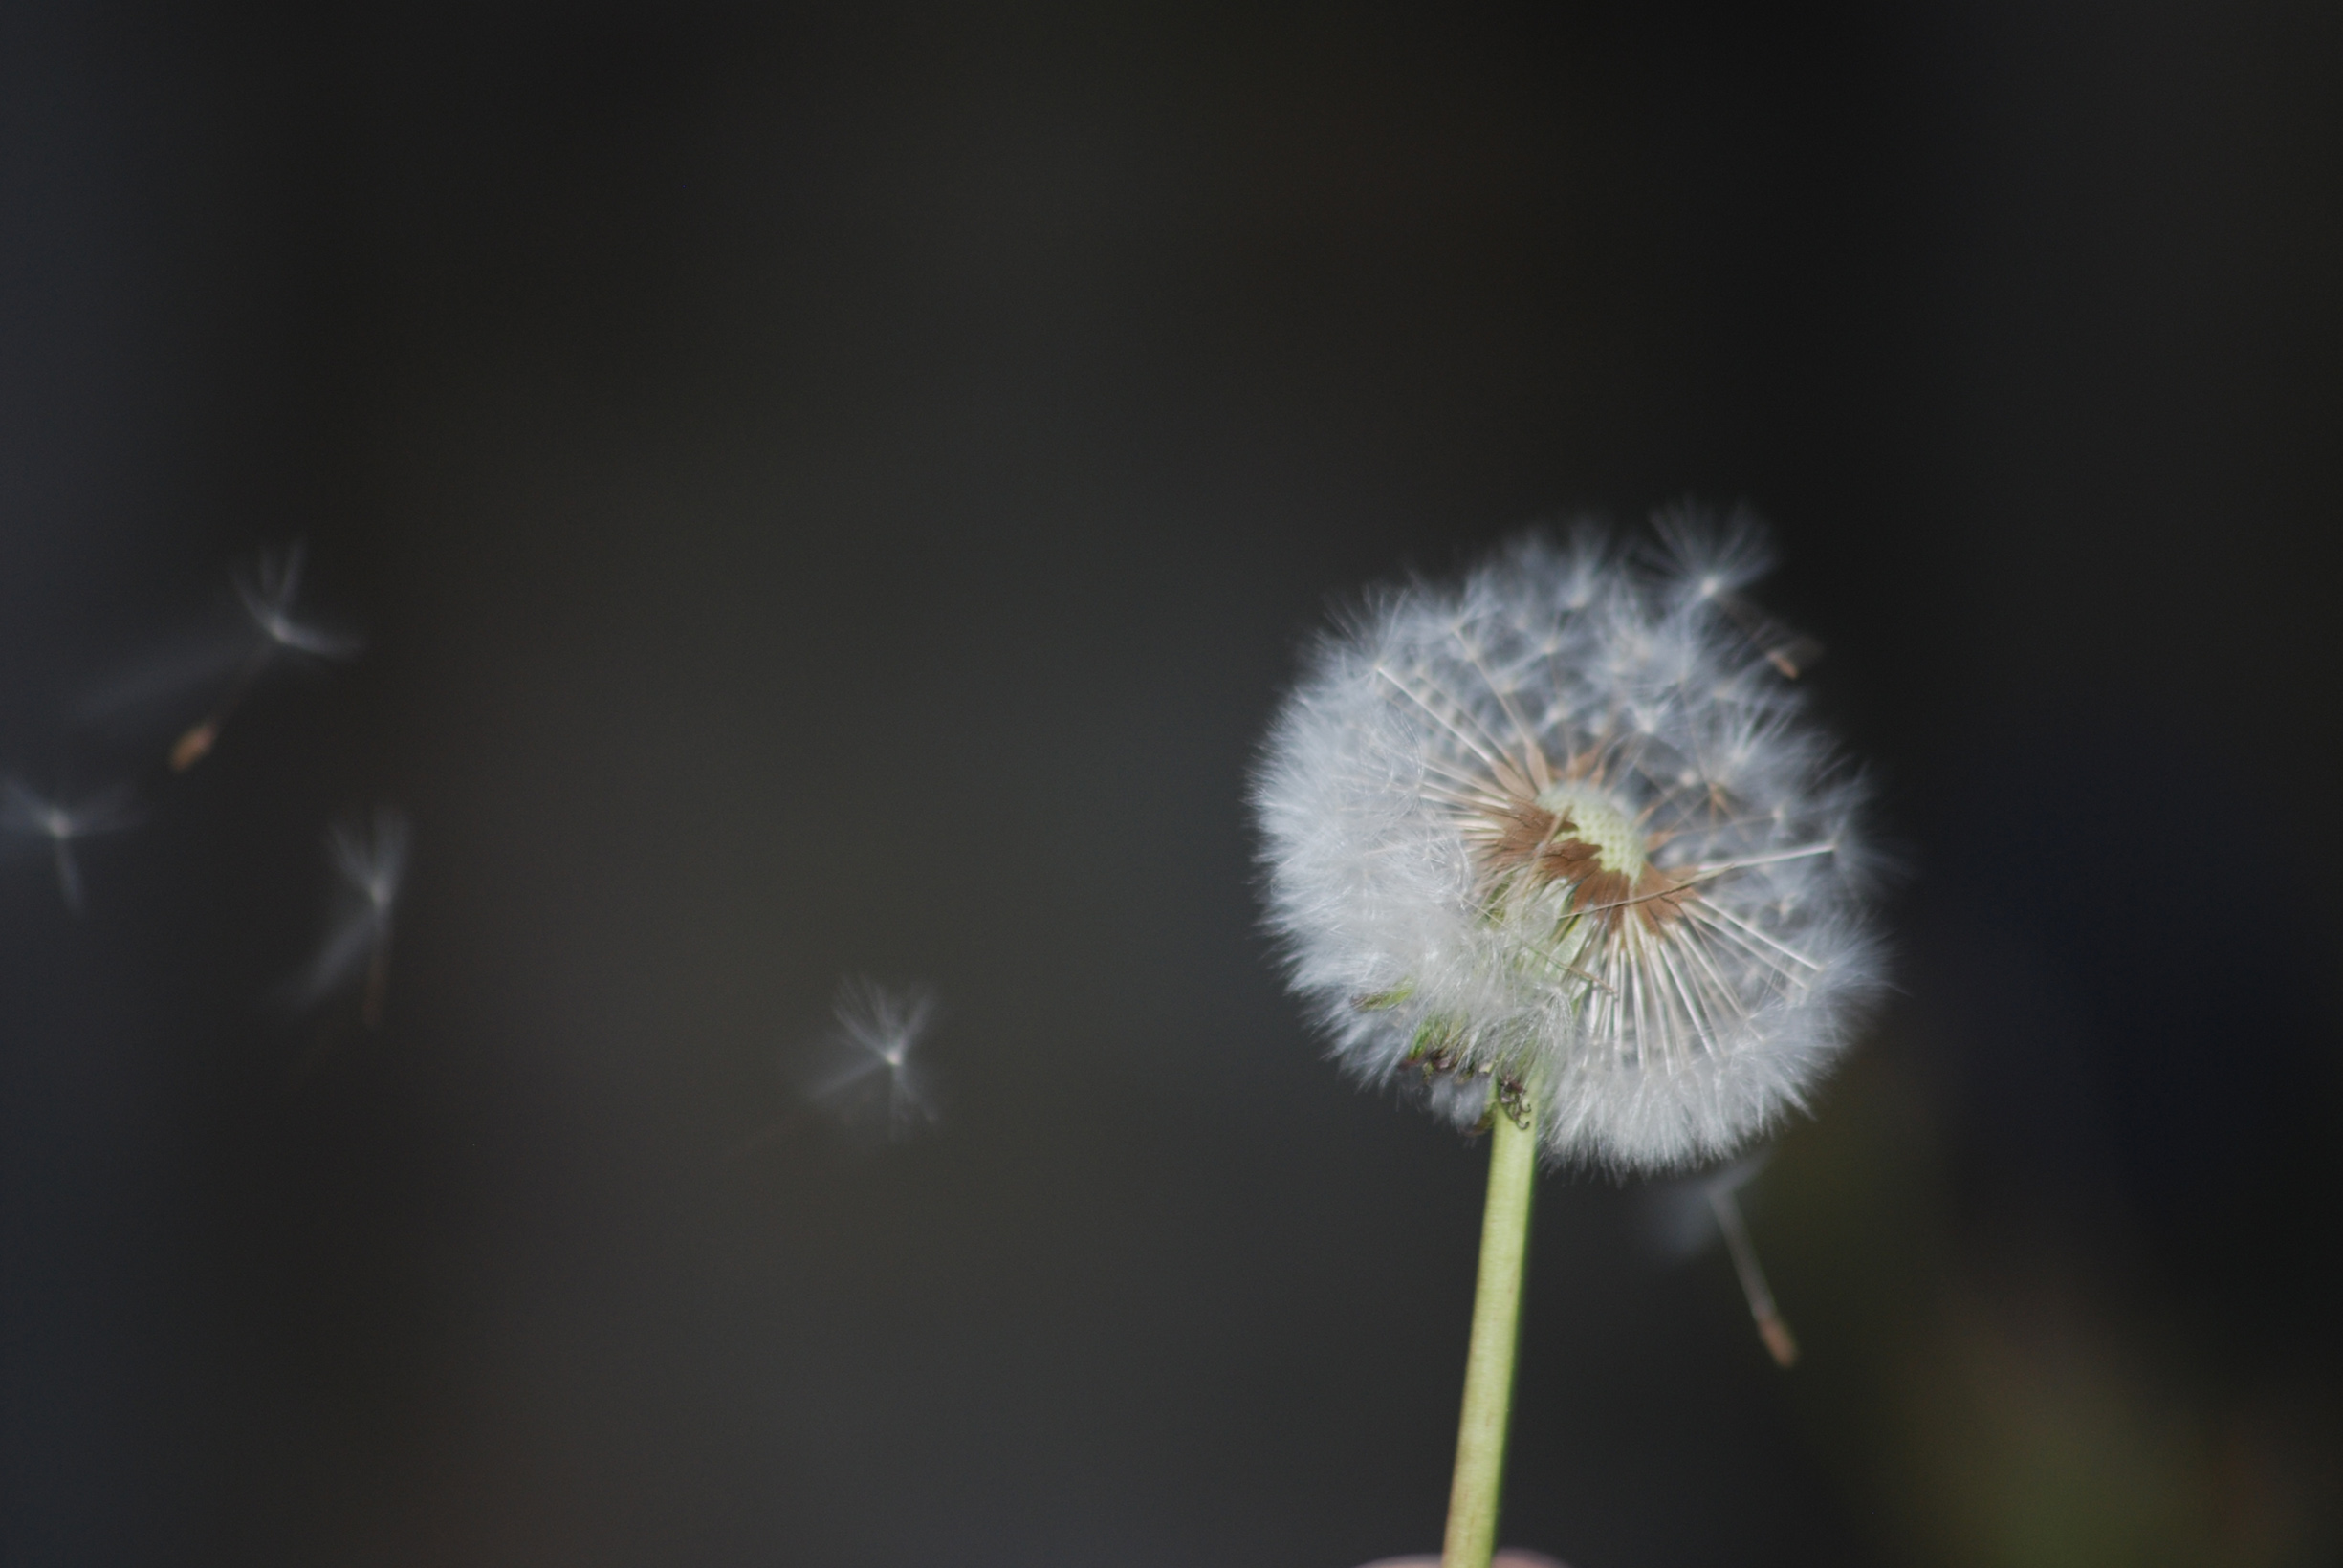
(1541, 846)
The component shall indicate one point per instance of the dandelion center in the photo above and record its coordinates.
(1594, 821)
(1570, 851)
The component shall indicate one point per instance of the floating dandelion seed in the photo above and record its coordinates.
(1561, 847)
(879, 1084)
(369, 859)
(1779, 1342)
(29, 815)
(1686, 1216)
(1567, 834)
(269, 592)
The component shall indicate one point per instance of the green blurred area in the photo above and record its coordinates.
(1988, 1403)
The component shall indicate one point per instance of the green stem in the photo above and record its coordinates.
(1488, 1365)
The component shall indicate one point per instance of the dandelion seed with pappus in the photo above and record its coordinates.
(269, 594)
(369, 858)
(1683, 1217)
(1561, 849)
(874, 1082)
(60, 822)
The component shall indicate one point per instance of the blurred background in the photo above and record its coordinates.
(842, 492)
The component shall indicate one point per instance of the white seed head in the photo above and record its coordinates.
(1564, 837)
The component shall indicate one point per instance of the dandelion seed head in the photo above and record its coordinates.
(1564, 832)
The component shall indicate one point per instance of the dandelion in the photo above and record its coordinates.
(24, 812)
(1562, 848)
(269, 592)
(878, 1085)
(369, 859)
(1567, 834)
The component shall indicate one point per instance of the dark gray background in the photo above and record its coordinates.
(842, 492)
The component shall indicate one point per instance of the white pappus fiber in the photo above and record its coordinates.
(1564, 842)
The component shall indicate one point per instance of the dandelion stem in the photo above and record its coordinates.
(1488, 1364)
